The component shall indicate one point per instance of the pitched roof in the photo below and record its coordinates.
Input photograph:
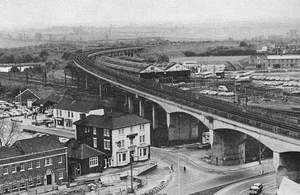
(38, 144)
(76, 105)
(7, 152)
(81, 151)
(112, 121)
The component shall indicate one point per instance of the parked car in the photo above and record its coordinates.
(204, 146)
(256, 188)
(38, 122)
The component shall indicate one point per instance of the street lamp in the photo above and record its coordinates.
(131, 173)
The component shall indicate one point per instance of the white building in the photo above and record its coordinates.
(119, 136)
(67, 111)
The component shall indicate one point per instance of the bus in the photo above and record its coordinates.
(206, 75)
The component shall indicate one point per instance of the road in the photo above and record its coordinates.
(26, 124)
(242, 188)
(198, 178)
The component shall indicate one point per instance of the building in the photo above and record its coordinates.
(118, 135)
(83, 159)
(71, 109)
(275, 61)
(33, 162)
(36, 97)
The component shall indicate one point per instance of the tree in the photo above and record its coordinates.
(9, 132)
(38, 36)
(43, 54)
(163, 58)
(14, 69)
(243, 44)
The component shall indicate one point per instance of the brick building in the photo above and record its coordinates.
(33, 162)
(83, 159)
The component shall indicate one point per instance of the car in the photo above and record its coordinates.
(222, 88)
(256, 188)
(38, 122)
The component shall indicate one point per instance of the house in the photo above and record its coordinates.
(83, 159)
(120, 136)
(33, 162)
(71, 109)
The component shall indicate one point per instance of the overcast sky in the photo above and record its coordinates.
(41, 13)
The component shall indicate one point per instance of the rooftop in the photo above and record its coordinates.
(283, 57)
(77, 105)
(112, 121)
(38, 144)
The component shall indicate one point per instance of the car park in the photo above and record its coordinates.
(256, 188)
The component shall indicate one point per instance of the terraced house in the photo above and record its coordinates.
(30, 163)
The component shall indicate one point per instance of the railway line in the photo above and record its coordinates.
(218, 107)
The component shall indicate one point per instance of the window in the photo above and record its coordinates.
(121, 131)
(14, 185)
(48, 161)
(142, 127)
(72, 114)
(22, 184)
(22, 168)
(57, 112)
(86, 129)
(94, 161)
(60, 159)
(131, 129)
(30, 181)
(131, 141)
(107, 144)
(69, 123)
(38, 180)
(143, 151)
(13, 168)
(94, 131)
(94, 142)
(122, 157)
(60, 113)
(38, 164)
(29, 165)
(60, 175)
(5, 170)
(122, 143)
(68, 113)
(6, 187)
(142, 139)
(106, 132)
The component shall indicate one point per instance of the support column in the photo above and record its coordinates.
(154, 116)
(228, 147)
(130, 104)
(100, 90)
(287, 165)
(142, 107)
(168, 119)
(86, 82)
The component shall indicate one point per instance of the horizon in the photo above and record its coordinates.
(18, 14)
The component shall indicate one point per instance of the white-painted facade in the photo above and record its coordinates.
(123, 146)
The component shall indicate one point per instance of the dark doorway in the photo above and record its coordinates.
(49, 179)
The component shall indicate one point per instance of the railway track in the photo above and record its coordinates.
(218, 107)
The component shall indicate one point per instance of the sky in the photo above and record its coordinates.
(43, 13)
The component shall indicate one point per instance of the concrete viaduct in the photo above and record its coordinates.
(228, 131)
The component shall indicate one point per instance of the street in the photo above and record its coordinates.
(197, 176)
(242, 188)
